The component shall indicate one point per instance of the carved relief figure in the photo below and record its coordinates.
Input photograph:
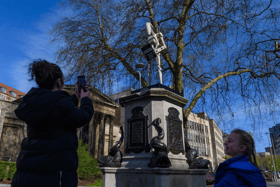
(159, 158)
(114, 159)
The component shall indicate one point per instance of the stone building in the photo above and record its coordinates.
(277, 144)
(274, 133)
(8, 93)
(12, 131)
(100, 133)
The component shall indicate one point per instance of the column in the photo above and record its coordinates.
(96, 134)
(90, 136)
(101, 136)
(111, 118)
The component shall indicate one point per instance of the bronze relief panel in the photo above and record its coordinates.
(137, 131)
(175, 134)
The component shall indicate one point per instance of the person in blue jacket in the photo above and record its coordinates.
(240, 170)
(48, 156)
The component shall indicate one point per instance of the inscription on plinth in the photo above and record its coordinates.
(175, 134)
(137, 132)
(137, 135)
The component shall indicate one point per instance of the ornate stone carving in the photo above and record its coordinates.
(175, 134)
(114, 159)
(159, 158)
(137, 140)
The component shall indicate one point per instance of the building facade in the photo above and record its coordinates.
(277, 145)
(8, 93)
(100, 133)
(274, 133)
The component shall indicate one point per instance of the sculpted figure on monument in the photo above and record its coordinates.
(159, 158)
(114, 159)
(192, 159)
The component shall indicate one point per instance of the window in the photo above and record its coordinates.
(13, 94)
(20, 96)
(3, 89)
(117, 100)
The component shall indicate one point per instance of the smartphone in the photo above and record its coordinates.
(82, 83)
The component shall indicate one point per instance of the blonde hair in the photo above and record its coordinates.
(246, 139)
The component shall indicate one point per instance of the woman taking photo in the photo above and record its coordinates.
(48, 156)
(239, 171)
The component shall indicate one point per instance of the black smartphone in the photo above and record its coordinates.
(82, 83)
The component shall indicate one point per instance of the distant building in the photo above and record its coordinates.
(275, 139)
(267, 149)
(277, 145)
(263, 154)
(8, 93)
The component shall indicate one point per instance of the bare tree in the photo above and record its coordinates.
(219, 52)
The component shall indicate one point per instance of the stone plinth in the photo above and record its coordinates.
(153, 177)
(142, 107)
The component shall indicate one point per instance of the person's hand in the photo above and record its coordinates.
(77, 93)
(85, 94)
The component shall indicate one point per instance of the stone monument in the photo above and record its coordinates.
(154, 116)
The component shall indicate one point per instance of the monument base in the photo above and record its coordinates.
(153, 177)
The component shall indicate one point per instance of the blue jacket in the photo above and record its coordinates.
(48, 155)
(238, 172)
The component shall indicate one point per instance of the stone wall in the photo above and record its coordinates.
(12, 131)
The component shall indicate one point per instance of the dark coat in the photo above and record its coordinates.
(48, 155)
(238, 171)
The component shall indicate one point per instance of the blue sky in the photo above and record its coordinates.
(24, 37)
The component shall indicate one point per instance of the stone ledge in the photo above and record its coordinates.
(161, 171)
(158, 93)
(153, 177)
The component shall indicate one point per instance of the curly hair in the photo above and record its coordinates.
(45, 73)
(247, 139)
